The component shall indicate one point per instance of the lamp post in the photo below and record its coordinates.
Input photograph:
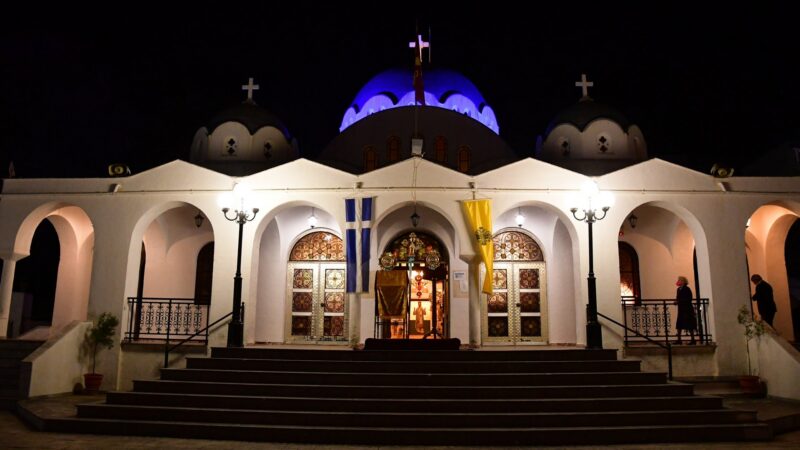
(590, 201)
(242, 213)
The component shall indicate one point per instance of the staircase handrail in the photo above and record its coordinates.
(667, 346)
(168, 349)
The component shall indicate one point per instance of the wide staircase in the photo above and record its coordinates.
(14, 380)
(487, 398)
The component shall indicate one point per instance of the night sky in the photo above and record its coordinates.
(81, 90)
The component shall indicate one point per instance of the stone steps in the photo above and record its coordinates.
(545, 397)
(13, 379)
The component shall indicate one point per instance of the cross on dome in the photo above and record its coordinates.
(584, 84)
(250, 87)
(419, 44)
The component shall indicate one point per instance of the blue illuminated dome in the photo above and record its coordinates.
(443, 89)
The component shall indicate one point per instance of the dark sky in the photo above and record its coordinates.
(80, 90)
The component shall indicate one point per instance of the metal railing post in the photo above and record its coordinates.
(169, 325)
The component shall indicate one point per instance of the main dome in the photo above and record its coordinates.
(443, 89)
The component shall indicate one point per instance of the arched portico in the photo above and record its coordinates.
(75, 246)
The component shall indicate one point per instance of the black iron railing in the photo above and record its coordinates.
(203, 332)
(162, 319)
(665, 345)
(655, 319)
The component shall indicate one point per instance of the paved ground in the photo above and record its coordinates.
(15, 434)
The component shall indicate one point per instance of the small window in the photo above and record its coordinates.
(564, 146)
(463, 158)
(231, 145)
(440, 147)
(604, 143)
(370, 158)
(267, 150)
(393, 149)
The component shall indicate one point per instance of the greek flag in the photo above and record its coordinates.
(358, 218)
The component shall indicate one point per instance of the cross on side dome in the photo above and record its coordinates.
(250, 87)
(584, 84)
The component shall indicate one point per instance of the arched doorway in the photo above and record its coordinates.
(516, 312)
(317, 307)
(204, 275)
(412, 296)
(629, 286)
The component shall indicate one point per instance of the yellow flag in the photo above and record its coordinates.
(479, 214)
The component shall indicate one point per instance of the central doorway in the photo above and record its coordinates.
(516, 311)
(412, 293)
(317, 307)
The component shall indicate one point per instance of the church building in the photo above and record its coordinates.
(417, 221)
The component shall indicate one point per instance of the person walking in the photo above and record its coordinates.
(686, 321)
(764, 300)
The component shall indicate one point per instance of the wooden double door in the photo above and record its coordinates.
(317, 303)
(516, 311)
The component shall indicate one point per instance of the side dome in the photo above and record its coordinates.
(587, 111)
(443, 89)
(592, 138)
(242, 140)
(249, 114)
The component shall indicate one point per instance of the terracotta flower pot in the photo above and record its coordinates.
(750, 384)
(92, 381)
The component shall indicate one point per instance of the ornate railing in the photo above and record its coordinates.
(162, 319)
(655, 318)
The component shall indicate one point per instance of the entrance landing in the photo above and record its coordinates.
(412, 344)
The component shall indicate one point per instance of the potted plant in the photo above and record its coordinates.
(753, 328)
(100, 335)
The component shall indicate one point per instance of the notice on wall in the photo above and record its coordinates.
(460, 284)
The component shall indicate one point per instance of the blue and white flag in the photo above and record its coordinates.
(351, 243)
(358, 219)
(366, 228)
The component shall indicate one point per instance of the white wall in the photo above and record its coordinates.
(778, 363)
(172, 242)
(62, 354)
(716, 219)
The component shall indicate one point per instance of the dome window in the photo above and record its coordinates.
(604, 143)
(440, 146)
(267, 150)
(370, 158)
(393, 149)
(463, 159)
(231, 145)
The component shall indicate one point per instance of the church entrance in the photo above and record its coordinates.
(412, 295)
(316, 299)
(516, 310)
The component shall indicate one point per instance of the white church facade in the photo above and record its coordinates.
(155, 246)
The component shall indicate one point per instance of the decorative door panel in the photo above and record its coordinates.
(317, 306)
(497, 311)
(529, 296)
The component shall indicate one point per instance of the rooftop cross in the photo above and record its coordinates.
(419, 44)
(584, 84)
(250, 87)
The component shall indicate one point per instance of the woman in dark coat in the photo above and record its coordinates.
(686, 318)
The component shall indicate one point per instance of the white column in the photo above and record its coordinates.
(475, 301)
(354, 318)
(6, 285)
